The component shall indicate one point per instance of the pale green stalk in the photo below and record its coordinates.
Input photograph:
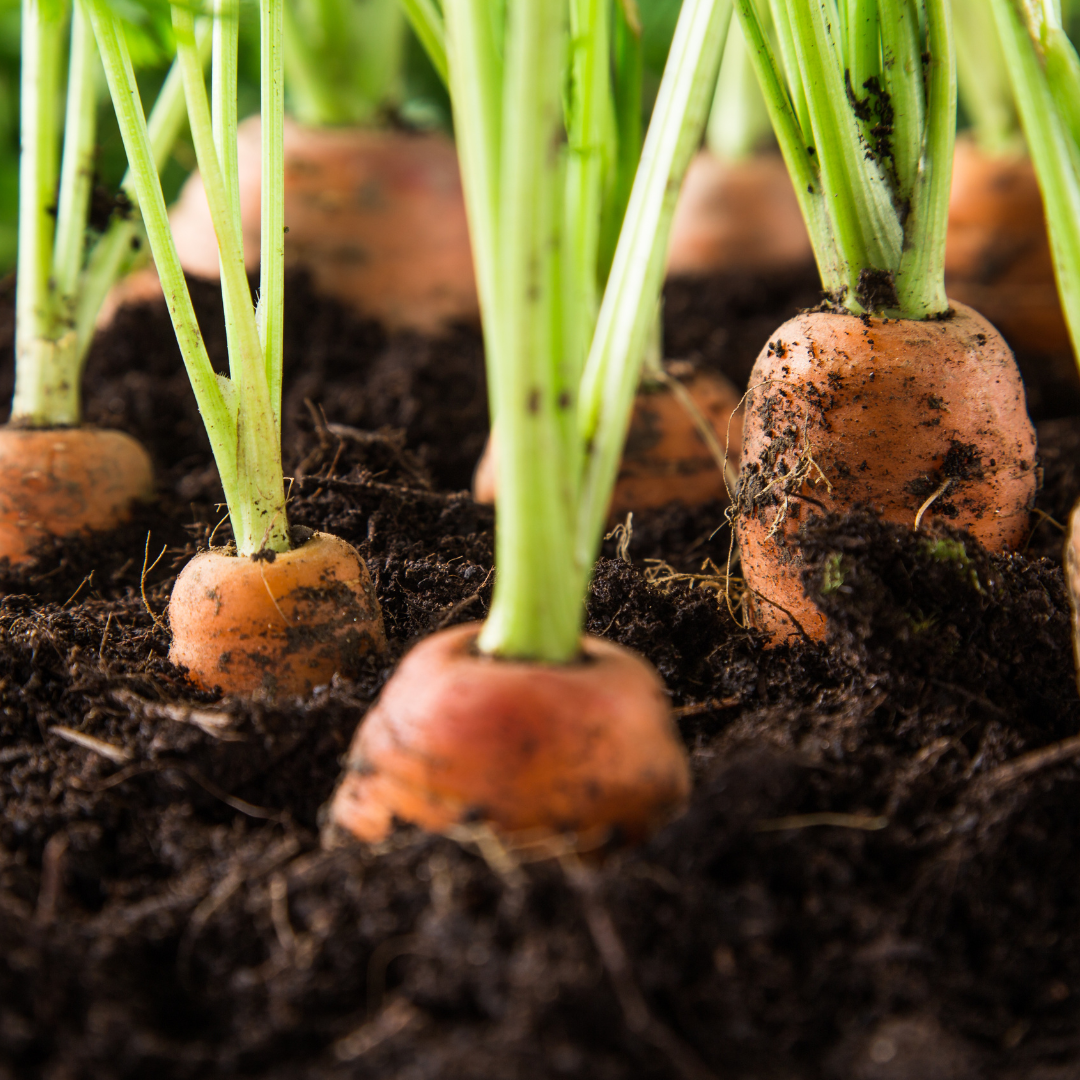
(215, 397)
(114, 251)
(628, 310)
(271, 311)
(46, 393)
(474, 52)
(531, 618)
(591, 121)
(983, 79)
(920, 279)
(258, 516)
(77, 168)
(1052, 142)
(874, 201)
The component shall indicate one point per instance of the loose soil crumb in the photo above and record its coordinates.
(874, 881)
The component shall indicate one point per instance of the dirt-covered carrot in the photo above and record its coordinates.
(521, 722)
(58, 477)
(997, 255)
(280, 594)
(889, 396)
(737, 210)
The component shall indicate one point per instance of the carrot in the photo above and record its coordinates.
(275, 623)
(61, 481)
(737, 215)
(997, 256)
(889, 396)
(918, 419)
(523, 723)
(666, 459)
(285, 613)
(459, 736)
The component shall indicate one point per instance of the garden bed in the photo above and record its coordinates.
(876, 878)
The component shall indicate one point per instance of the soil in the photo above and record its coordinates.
(875, 879)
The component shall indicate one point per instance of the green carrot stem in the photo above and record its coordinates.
(628, 309)
(536, 611)
(258, 514)
(77, 168)
(920, 279)
(113, 253)
(46, 393)
(271, 311)
(214, 397)
(474, 51)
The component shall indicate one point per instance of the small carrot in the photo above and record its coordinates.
(58, 478)
(282, 614)
(61, 481)
(280, 624)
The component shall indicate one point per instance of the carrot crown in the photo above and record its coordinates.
(242, 412)
(546, 100)
(863, 103)
(1045, 74)
(63, 281)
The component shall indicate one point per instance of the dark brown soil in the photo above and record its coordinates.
(876, 880)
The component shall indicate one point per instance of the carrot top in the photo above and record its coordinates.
(863, 102)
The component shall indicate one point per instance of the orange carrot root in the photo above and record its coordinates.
(457, 736)
(665, 459)
(997, 255)
(740, 215)
(281, 626)
(61, 481)
(908, 417)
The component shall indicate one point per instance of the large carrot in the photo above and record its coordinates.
(889, 396)
(56, 476)
(271, 613)
(523, 723)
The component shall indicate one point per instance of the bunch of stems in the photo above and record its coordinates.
(242, 412)
(569, 218)
(1045, 74)
(862, 100)
(62, 283)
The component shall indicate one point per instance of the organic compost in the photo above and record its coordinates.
(876, 878)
